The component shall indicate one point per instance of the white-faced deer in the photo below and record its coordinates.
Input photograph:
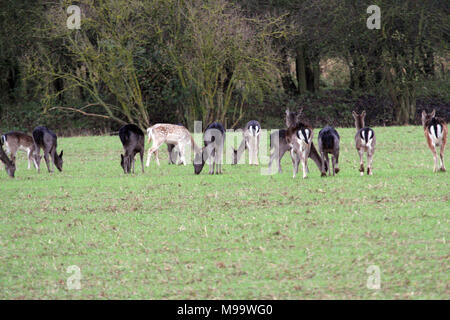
(15, 141)
(171, 134)
(250, 141)
(47, 140)
(299, 137)
(9, 165)
(365, 142)
(213, 138)
(328, 141)
(436, 131)
(133, 140)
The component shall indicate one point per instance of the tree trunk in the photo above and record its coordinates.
(300, 66)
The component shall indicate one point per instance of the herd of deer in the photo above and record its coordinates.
(297, 139)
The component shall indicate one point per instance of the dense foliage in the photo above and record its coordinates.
(147, 61)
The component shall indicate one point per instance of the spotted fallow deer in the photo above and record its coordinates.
(436, 131)
(299, 137)
(15, 141)
(171, 134)
(250, 141)
(365, 142)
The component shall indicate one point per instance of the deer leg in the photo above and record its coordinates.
(141, 154)
(153, 149)
(369, 162)
(442, 157)
(295, 162)
(305, 166)
(47, 161)
(336, 156)
(323, 172)
(361, 161)
(333, 162)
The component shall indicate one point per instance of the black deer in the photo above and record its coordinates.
(47, 140)
(328, 141)
(213, 138)
(133, 141)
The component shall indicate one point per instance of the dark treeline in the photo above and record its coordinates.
(148, 61)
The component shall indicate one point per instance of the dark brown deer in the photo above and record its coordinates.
(9, 165)
(328, 142)
(436, 131)
(213, 138)
(364, 141)
(15, 141)
(133, 141)
(47, 140)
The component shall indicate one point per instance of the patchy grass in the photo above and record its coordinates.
(168, 234)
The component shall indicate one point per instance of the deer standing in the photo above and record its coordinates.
(213, 138)
(436, 131)
(299, 138)
(328, 141)
(365, 142)
(47, 140)
(9, 165)
(15, 141)
(250, 141)
(133, 141)
(171, 134)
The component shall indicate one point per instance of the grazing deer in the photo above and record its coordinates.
(133, 140)
(299, 138)
(250, 141)
(47, 140)
(435, 130)
(171, 134)
(213, 138)
(365, 142)
(9, 165)
(328, 141)
(15, 141)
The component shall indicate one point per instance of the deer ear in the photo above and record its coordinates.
(61, 154)
(354, 114)
(433, 113)
(121, 156)
(363, 114)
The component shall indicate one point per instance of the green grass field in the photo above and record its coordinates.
(168, 234)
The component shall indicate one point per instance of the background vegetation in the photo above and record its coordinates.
(228, 60)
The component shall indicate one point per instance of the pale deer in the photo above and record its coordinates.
(213, 138)
(133, 140)
(299, 137)
(364, 141)
(171, 134)
(436, 131)
(15, 141)
(328, 142)
(9, 165)
(47, 140)
(250, 141)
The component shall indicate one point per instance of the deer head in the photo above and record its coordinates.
(427, 117)
(359, 119)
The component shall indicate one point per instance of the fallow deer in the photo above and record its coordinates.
(213, 138)
(365, 142)
(171, 134)
(47, 140)
(9, 165)
(250, 141)
(299, 138)
(15, 141)
(328, 142)
(133, 140)
(436, 131)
